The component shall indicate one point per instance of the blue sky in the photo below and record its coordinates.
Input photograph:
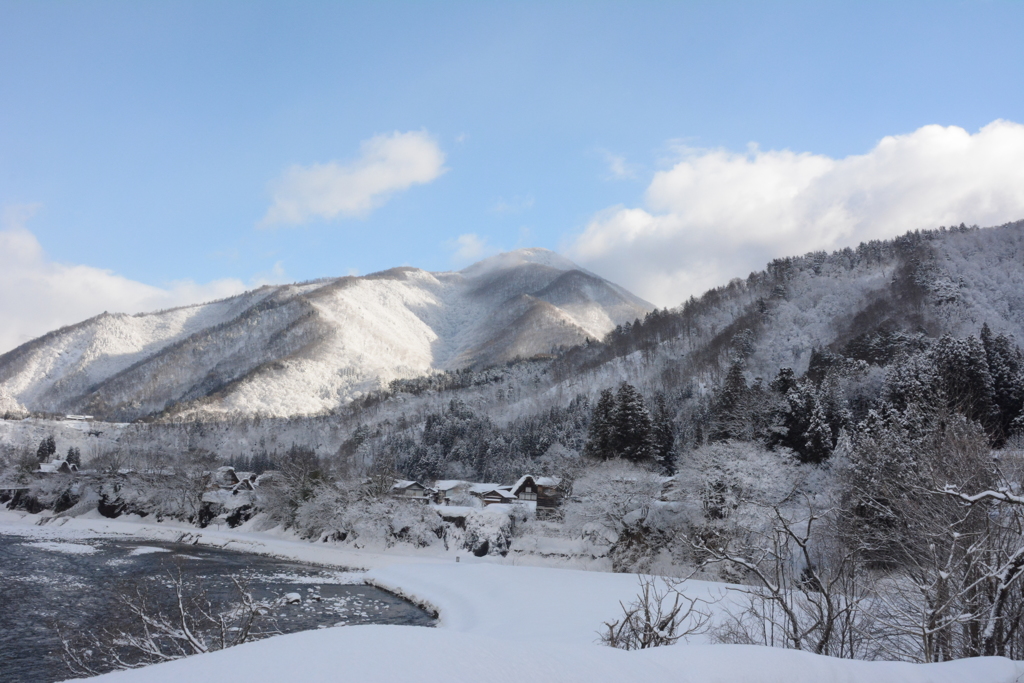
(148, 142)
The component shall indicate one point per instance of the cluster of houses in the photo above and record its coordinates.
(230, 489)
(540, 494)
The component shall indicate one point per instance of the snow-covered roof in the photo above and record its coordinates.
(228, 499)
(448, 484)
(539, 481)
(483, 488)
(501, 492)
(402, 484)
(522, 480)
(56, 466)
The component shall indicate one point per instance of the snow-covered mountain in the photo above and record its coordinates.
(307, 348)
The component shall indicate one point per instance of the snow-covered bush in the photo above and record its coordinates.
(489, 531)
(715, 481)
(617, 504)
(341, 512)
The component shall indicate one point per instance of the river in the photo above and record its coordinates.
(72, 584)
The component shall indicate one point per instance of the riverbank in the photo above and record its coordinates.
(498, 621)
(274, 542)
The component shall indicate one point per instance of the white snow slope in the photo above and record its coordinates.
(507, 623)
(305, 349)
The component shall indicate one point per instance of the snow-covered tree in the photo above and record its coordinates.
(632, 435)
(601, 436)
(663, 434)
(47, 447)
(1006, 367)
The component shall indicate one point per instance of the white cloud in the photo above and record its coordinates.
(387, 164)
(716, 214)
(618, 167)
(469, 247)
(38, 295)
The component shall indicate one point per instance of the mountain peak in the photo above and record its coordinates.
(519, 257)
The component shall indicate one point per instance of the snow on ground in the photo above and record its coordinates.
(389, 654)
(498, 622)
(523, 603)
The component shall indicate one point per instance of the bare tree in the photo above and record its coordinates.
(153, 627)
(948, 536)
(808, 594)
(661, 615)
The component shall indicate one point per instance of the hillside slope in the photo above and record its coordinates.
(301, 349)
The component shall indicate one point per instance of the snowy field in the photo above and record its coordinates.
(498, 622)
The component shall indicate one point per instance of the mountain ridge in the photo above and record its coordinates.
(310, 347)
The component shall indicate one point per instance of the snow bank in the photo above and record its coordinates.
(522, 603)
(388, 654)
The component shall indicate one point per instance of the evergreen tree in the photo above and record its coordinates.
(663, 435)
(818, 437)
(794, 420)
(784, 381)
(74, 456)
(962, 368)
(1006, 367)
(731, 415)
(632, 425)
(47, 447)
(601, 437)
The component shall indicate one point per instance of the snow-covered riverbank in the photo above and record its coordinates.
(498, 621)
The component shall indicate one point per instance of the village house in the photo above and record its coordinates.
(447, 489)
(412, 490)
(57, 467)
(498, 496)
(540, 492)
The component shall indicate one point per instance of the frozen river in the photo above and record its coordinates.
(50, 583)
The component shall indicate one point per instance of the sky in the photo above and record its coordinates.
(164, 153)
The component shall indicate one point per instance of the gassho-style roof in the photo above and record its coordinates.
(502, 492)
(481, 489)
(539, 481)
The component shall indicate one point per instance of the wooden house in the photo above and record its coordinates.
(500, 496)
(57, 467)
(412, 490)
(541, 491)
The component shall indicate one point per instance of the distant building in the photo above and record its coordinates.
(57, 467)
(542, 491)
(412, 490)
